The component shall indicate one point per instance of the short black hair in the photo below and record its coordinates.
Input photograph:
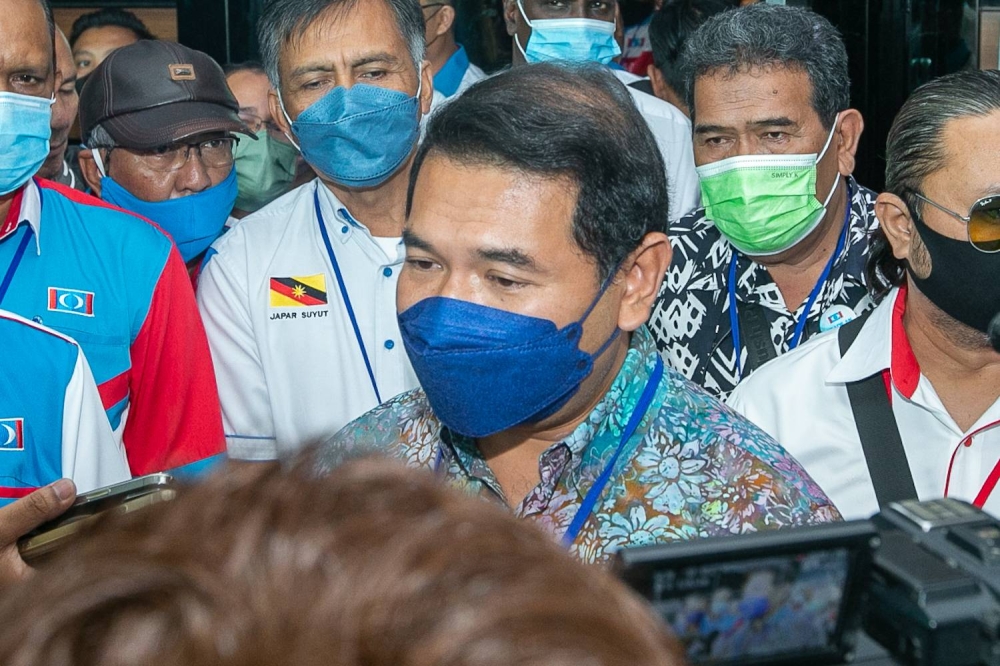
(670, 28)
(564, 120)
(110, 16)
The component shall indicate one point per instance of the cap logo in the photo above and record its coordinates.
(182, 72)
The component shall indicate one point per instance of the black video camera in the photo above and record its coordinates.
(921, 578)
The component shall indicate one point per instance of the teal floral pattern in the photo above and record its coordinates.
(692, 469)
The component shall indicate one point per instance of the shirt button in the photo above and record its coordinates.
(389, 344)
(387, 271)
(343, 229)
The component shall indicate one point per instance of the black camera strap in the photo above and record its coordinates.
(877, 428)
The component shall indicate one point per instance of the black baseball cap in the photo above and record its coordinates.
(153, 93)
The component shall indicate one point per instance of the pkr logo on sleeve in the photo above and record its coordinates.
(11, 435)
(71, 301)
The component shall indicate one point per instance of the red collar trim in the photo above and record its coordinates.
(13, 219)
(905, 369)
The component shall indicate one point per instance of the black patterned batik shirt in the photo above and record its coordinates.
(691, 320)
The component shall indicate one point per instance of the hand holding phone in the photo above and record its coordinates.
(120, 498)
(25, 515)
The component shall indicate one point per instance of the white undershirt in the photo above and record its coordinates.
(388, 244)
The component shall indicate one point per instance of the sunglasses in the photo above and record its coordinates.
(982, 222)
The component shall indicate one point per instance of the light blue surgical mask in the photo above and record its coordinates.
(358, 136)
(24, 138)
(193, 221)
(571, 39)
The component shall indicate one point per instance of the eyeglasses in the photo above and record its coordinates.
(982, 222)
(256, 124)
(213, 153)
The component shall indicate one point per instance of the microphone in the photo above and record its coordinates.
(994, 332)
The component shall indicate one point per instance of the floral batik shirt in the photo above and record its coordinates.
(691, 322)
(693, 468)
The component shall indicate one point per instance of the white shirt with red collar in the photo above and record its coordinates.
(801, 400)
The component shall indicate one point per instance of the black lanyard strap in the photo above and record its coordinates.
(877, 428)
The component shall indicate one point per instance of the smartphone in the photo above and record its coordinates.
(120, 498)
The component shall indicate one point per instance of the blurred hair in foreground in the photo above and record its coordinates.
(373, 564)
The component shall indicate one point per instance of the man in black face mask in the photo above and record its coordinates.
(905, 403)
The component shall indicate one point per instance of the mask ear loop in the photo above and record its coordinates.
(96, 152)
(281, 103)
(829, 140)
(517, 39)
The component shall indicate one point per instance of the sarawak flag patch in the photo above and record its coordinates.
(297, 292)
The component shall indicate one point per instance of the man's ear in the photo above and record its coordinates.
(895, 220)
(91, 174)
(648, 265)
(427, 88)
(849, 127)
(510, 16)
(658, 82)
(277, 115)
(445, 20)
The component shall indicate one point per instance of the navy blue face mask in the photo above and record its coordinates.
(485, 370)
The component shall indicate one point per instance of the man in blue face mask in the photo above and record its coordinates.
(299, 298)
(522, 306)
(160, 120)
(585, 31)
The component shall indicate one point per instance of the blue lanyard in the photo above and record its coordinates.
(590, 501)
(343, 293)
(14, 263)
(800, 325)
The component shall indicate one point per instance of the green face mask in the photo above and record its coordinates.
(264, 170)
(764, 204)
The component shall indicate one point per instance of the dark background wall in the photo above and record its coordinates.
(894, 45)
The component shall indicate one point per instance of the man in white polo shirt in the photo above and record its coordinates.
(907, 401)
(298, 299)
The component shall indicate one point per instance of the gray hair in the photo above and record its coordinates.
(99, 138)
(763, 35)
(915, 149)
(285, 20)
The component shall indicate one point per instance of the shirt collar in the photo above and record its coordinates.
(882, 345)
(450, 76)
(26, 207)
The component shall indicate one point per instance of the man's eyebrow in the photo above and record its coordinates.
(772, 122)
(411, 239)
(711, 129)
(989, 191)
(508, 255)
(311, 67)
(368, 59)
